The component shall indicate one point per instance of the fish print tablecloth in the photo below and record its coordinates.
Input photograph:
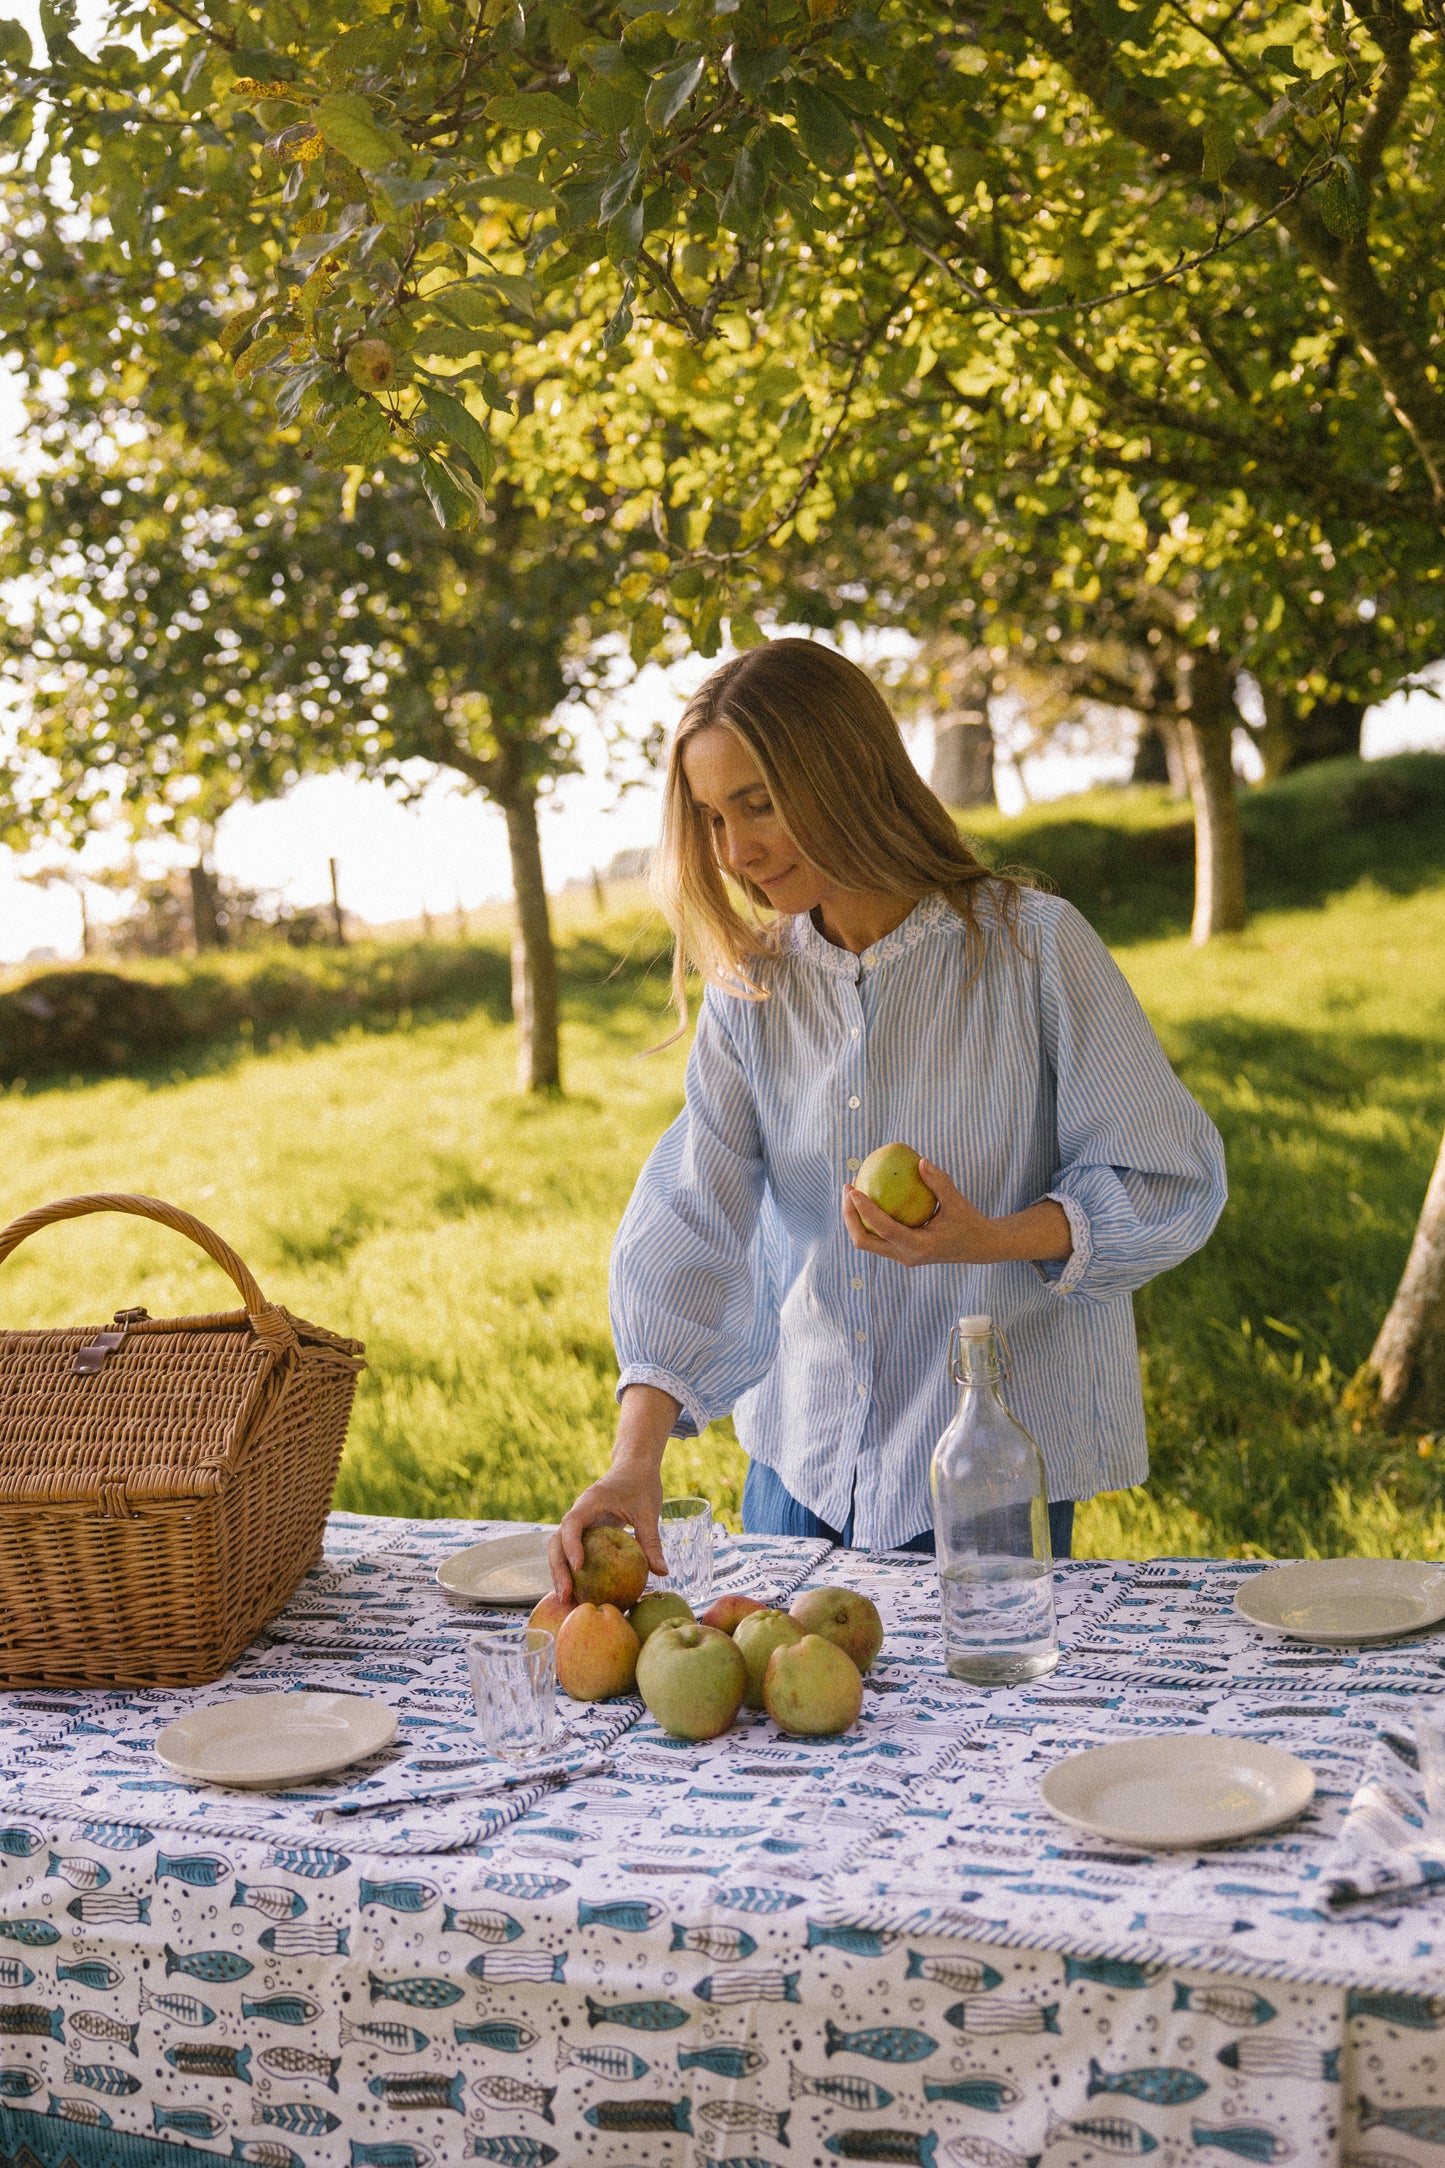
(748, 1953)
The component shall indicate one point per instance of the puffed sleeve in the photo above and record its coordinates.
(1141, 1166)
(686, 1314)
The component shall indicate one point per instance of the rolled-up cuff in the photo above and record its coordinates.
(1064, 1274)
(692, 1418)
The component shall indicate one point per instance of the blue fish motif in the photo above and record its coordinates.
(514, 2151)
(17, 2083)
(109, 1908)
(14, 1974)
(32, 2017)
(1250, 2141)
(92, 1972)
(271, 1899)
(640, 2115)
(311, 1860)
(265, 2153)
(1111, 2134)
(654, 2015)
(484, 1922)
(634, 1915)
(20, 1843)
(190, 2122)
(1166, 2087)
(397, 1896)
(31, 1934)
(388, 2154)
(102, 2077)
(215, 1967)
(422, 1992)
(530, 1886)
(500, 2033)
(882, 2043)
(1423, 2013)
(282, 2009)
(1110, 1971)
(915, 2148)
(857, 1941)
(302, 2118)
(118, 1836)
(79, 1872)
(78, 2111)
(723, 2062)
(1427, 2124)
(201, 1870)
(185, 2009)
(1232, 2005)
(990, 2095)
(386, 2032)
(750, 1899)
(420, 2089)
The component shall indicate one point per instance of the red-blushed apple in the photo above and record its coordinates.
(550, 1612)
(663, 1607)
(841, 1616)
(692, 1679)
(596, 1653)
(727, 1610)
(614, 1567)
(812, 1688)
(757, 1636)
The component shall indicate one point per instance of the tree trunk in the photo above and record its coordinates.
(962, 772)
(1407, 1361)
(1206, 730)
(206, 930)
(1289, 740)
(1158, 757)
(534, 959)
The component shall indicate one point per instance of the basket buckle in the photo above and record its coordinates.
(92, 1359)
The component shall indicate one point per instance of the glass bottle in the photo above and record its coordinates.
(991, 1526)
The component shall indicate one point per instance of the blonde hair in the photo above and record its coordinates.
(841, 782)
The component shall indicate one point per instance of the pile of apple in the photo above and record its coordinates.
(804, 1666)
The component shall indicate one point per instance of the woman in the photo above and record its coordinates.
(896, 991)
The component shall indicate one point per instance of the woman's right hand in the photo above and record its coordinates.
(629, 1495)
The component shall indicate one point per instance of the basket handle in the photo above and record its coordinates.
(151, 1208)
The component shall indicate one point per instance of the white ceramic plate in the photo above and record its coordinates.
(506, 1569)
(1340, 1600)
(1194, 1789)
(267, 1741)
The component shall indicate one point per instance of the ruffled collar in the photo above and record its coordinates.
(801, 938)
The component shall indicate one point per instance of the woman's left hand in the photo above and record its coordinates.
(958, 1233)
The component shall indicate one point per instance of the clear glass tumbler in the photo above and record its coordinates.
(514, 1685)
(1430, 1745)
(687, 1546)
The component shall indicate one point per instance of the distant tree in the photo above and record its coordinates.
(208, 620)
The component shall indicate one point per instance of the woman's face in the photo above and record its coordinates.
(750, 840)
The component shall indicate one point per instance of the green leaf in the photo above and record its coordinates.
(647, 629)
(1134, 23)
(541, 110)
(826, 132)
(670, 93)
(1345, 200)
(1220, 148)
(345, 121)
(358, 437)
(453, 504)
(404, 195)
(514, 188)
(1281, 59)
(745, 631)
(612, 63)
(752, 68)
(368, 44)
(618, 188)
(260, 351)
(461, 429)
(624, 234)
(741, 206)
(15, 47)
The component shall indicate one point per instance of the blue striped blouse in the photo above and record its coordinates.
(734, 1285)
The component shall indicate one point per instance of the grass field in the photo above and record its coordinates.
(379, 1172)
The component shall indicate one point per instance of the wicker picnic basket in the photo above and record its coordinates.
(164, 1482)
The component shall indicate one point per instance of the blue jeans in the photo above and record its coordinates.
(770, 1509)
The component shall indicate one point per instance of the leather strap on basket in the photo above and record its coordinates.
(269, 1323)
